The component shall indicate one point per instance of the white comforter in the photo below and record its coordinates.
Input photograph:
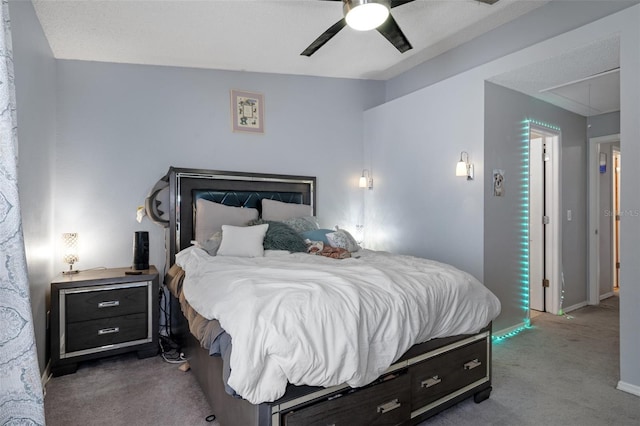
(312, 320)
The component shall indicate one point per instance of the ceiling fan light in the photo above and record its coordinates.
(365, 15)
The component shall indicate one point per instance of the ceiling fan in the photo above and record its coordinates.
(366, 15)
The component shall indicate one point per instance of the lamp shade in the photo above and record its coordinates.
(461, 168)
(363, 182)
(365, 15)
(70, 247)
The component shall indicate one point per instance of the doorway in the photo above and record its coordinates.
(615, 190)
(545, 284)
(604, 217)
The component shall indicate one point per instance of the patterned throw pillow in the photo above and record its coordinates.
(303, 224)
(343, 239)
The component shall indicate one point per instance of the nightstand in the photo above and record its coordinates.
(98, 313)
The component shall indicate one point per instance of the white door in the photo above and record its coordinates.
(536, 227)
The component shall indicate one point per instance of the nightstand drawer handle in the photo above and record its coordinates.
(391, 405)
(109, 304)
(108, 330)
(472, 364)
(431, 381)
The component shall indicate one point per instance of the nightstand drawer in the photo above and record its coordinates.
(448, 372)
(98, 303)
(386, 403)
(106, 331)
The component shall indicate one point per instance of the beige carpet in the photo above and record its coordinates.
(562, 371)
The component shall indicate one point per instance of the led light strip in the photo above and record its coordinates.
(523, 237)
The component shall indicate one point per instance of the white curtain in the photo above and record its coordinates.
(21, 398)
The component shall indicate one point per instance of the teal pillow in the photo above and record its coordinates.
(317, 235)
(281, 237)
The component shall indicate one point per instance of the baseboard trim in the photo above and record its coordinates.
(574, 307)
(629, 388)
(607, 295)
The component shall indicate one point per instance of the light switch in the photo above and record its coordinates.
(569, 215)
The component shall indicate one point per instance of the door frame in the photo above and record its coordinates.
(593, 285)
(553, 195)
(615, 228)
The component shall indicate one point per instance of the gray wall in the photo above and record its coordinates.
(555, 17)
(35, 75)
(505, 111)
(120, 127)
(630, 201)
(604, 124)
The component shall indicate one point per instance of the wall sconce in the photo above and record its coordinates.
(464, 167)
(70, 251)
(366, 181)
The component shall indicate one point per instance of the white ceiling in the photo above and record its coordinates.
(585, 80)
(268, 36)
(261, 35)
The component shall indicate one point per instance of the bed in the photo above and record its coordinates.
(425, 379)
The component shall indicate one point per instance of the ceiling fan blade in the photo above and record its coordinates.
(488, 1)
(324, 37)
(396, 3)
(392, 32)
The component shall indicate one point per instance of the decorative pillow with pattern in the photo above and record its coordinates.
(343, 239)
(303, 224)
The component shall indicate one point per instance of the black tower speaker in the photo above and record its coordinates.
(141, 250)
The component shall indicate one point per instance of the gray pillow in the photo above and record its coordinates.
(212, 245)
(277, 210)
(210, 217)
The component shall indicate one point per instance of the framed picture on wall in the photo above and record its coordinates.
(247, 111)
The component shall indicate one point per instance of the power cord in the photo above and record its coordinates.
(170, 351)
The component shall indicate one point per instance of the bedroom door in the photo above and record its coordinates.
(536, 222)
(545, 228)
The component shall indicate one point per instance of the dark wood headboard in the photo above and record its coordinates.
(230, 188)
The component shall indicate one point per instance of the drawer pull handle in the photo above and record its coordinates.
(391, 405)
(109, 304)
(431, 381)
(108, 330)
(472, 364)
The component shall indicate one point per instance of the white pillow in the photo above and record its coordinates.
(279, 211)
(210, 217)
(243, 241)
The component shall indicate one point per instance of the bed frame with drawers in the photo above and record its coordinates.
(427, 379)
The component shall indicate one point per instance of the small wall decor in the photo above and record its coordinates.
(247, 111)
(498, 182)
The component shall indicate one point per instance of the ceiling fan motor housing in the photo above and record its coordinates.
(365, 15)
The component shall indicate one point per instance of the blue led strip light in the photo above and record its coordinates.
(523, 236)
